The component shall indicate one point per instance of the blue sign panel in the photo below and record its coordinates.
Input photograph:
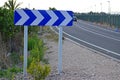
(27, 17)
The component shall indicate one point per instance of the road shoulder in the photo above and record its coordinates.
(80, 63)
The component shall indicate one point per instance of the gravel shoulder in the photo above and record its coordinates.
(81, 63)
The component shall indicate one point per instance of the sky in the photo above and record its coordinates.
(73, 5)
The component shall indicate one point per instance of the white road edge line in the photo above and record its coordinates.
(99, 34)
(92, 44)
(89, 48)
(94, 25)
(93, 30)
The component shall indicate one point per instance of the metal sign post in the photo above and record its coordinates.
(60, 51)
(25, 50)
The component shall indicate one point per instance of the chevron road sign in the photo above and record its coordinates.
(28, 17)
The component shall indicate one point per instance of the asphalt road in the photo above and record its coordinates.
(93, 36)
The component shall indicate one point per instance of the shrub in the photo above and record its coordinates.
(8, 73)
(37, 50)
(30, 59)
(2, 73)
(14, 70)
(38, 71)
(31, 43)
(36, 47)
(15, 58)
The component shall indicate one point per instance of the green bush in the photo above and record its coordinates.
(8, 73)
(38, 71)
(15, 58)
(31, 43)
(36, 47)
(30, 59)
(14, 70)
(37, 53)
(2, 73)
(34, 41)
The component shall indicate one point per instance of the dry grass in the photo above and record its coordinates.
(47, 33)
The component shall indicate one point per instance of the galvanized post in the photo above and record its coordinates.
(60, 51)
(25, 50)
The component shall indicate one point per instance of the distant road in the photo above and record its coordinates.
(95, 37)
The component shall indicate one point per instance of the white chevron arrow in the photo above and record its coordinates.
(53, 19)
(24, 17)
(38, 19)
(68, 18)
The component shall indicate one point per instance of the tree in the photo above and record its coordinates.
(8, 28)
(50, 8)
(11, 4)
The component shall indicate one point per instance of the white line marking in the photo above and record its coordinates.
(93, 50)
(98, 34)
(91, 44)
(93, 29)
(93, 25)
(90, 48)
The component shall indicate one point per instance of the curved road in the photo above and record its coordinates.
(95, 37)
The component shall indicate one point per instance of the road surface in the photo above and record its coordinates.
(95, 37)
